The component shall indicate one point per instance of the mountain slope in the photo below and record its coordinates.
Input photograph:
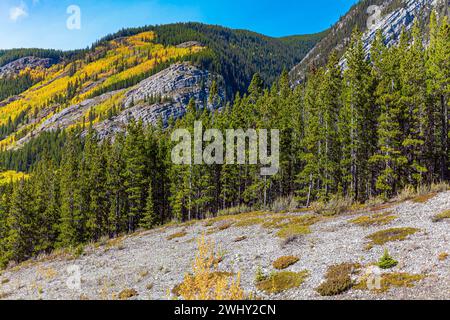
(394, 16)
(40, 86)
(246, 242)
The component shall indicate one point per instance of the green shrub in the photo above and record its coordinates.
(386, 261)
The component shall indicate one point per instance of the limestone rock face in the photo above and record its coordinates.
(174, 87)
(394, 16)
(14, 67)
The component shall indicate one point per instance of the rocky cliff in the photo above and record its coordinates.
(390, 16)
(174, 87)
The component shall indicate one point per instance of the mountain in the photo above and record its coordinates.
(394, 15)
(165, 66)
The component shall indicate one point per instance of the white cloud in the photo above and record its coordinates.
(16, 13)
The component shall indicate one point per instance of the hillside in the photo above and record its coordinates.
(39, 88)
(394, 16)
(148, 265)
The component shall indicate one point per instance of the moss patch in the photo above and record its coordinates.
(338, 279)
(293, 230)
(389, 235)
(282, 281)
(285, 262)
(441, 216)
(389, 280)
(180, 234)
(378, 219)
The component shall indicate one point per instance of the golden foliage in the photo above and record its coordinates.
(11, 176)
(206, 282)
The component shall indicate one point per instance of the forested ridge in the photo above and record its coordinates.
(367, 131)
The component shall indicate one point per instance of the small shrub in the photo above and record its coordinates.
(386, 261)
(394, 234)
(338, 279)
(127, 294)
(180, 234)
(285, 262)
(206, 282)
(441, 216)
(4, 280)
(443, 256)
(282, 281)
(259, 275)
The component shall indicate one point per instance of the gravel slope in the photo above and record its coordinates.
(152, 265)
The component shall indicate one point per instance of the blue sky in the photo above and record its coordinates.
(43, 23)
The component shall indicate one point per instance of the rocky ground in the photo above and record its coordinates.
(151, 264)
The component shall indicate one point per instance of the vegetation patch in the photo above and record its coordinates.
(441, 216)
(424, 198)
(127, 294)
(389, 235)
(383, 206)
(180, 234)
(206, 282)
(293, 230)
(282, 281)
(338, 279)
(389, 280)
(285, 262)
(239, 239)
(378, 219)
(443, 256)
(386, 261)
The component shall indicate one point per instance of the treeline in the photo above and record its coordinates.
(367, 131)
(11, 86)
(237, 54)
(7, 56)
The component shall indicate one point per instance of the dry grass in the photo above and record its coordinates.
(284, 204)
(333, 207)
(282, 281)
(285, 262)
(424, 198)
(378, 219)
(389, 235)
